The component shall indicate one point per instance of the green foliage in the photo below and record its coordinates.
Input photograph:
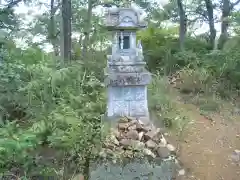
(164, 106)
(201, 70)
(61, 109)
(162, 51)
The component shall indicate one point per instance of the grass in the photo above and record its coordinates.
(163, 105)
(173, 110)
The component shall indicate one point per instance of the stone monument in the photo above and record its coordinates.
(126, 77)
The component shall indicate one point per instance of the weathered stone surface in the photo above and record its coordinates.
(140, 127)
(151, 144)
(128, 68)
(132, 127)
(149, 153)
(137, 145)
(171, 147)
(123, 120)
(132, 134)
(163, 142)
(236, 156)
(125, 79)
(123, 126)
(131, 144)
(128, 101)
(140, 136)
(181, 172)
(163, 152)
(149, 135)
(125, 142)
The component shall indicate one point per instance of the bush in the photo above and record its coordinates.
(203, 70)
(62, 112)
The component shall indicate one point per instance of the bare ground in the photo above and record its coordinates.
(207, 145)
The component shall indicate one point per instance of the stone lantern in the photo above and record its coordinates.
(126, 76)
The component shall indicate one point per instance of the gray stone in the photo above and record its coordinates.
(132, 127)
(150, 135)
(181, 172)
(151, 144)
(149, 152)
(236, 156)
(123, 126)
(125, 143)
(163, 152)
(125, 79)
(137, 145)
(132, 134)
(123, 120)
(171, 147)
(140, 136)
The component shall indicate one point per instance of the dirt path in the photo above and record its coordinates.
(207, 147)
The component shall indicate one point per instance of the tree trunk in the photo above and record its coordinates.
(182, 28)
(226, 11)
(67, 40)
(52, 29)
(209, 7)
(87, 29)
(224, 26)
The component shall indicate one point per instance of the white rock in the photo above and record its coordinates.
(140, 135)
(171, 147)
(163, 142)
(236, 155)
(236, 151)
(149, 152)
(181, 172)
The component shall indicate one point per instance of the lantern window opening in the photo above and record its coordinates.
(124, 42)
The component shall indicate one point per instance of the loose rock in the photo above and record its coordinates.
(132, 134)
(125, 142)
(171, 147)
(131, 138)
(132, 127)
(181, 172)
(149, 152)
(163, 152)
(123, 126)
(137, 145)
(123, 120)
(236, 155)
(151, 144)
(149, 135)
(140, 135)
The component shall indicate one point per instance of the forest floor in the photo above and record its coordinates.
(209, 141)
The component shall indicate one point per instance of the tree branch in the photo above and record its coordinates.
(13, 3)
(234, 4)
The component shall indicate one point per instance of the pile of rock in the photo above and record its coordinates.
(131, 136)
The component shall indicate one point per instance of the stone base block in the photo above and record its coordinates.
(127, 101)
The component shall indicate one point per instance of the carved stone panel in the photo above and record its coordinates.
(140, 93)
(128, 69)
(138, 108)
(120, 108)
(128, 101)
(125, 79)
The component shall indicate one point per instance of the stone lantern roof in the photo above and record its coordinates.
(124, 18)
